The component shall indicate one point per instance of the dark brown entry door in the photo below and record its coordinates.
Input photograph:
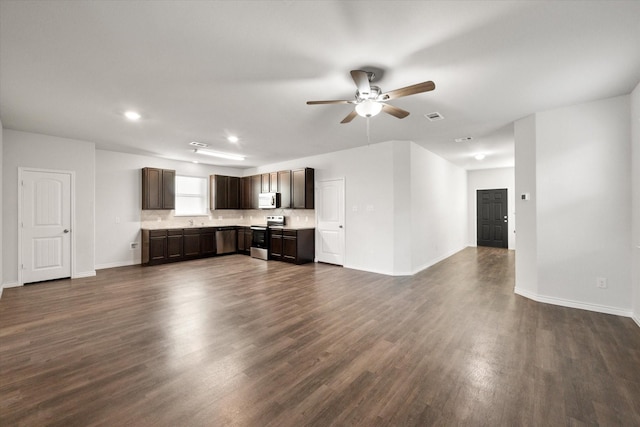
(492, 218)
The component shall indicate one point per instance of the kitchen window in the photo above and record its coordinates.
(191, 195)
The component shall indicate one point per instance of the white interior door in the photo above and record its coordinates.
(46, 226)
(330, 221)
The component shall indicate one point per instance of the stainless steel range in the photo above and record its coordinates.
(260, 236)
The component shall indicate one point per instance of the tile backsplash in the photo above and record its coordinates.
(166, 219)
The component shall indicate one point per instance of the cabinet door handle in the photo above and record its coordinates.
(65, 231)
(340, 226)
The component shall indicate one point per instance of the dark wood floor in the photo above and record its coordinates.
(243, 342)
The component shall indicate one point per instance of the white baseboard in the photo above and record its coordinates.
(116, 264)
(368, 270)
(436, 260)
(575, 304)
(408, 273)
(636, 319)
(82, 274)
(10, 285)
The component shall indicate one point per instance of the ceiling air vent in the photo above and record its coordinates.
(434, 116)
(198, 144)
(465, 139)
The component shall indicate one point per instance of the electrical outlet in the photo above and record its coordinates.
(601, 282)
(133, 245)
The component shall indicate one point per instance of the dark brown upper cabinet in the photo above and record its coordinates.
(245, 192)
(302, 188)
(269, 182)
(158, 188)
(284, 188)
(273, 182)
(266, 187)
(250, 189)
(234, 192)
(256, 189)
(224, 192)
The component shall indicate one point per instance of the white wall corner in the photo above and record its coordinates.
(635, 200)
(525, 182)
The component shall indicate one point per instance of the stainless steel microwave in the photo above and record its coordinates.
(269, 200)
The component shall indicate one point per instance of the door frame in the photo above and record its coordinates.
(72, 209)
(344, 216)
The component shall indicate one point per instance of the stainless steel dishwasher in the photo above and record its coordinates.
(226, 240)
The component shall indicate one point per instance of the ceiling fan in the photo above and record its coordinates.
(370, 100)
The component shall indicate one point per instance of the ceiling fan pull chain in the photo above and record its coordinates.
(368, 132)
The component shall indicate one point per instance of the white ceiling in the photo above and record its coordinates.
(198, 71)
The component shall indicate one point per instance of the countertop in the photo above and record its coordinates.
(286, 227)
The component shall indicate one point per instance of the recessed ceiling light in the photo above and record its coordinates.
(218, 154)
(232, 139)
(479, 156)
(132, 115)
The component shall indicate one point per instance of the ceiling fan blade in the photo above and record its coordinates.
(409, 90)
(361, 79)
(349, 117)
(395, 111)
(337, 101)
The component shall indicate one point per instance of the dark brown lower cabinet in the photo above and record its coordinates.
(174, 244)
(154, 246)
(244, 240)
(295, 246)
(192, 245)
(275, 245)
(207, 241)
(177, 244)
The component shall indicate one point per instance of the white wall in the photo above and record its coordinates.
(438, 208)
(401, 198)
(119, 198)
(368, 174)
(23, 149)
(525, 182)
(400, 215)
(635, 149)
(582, 204)
(488, 179)
(1, 207)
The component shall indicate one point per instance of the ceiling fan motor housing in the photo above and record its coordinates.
(373, 94)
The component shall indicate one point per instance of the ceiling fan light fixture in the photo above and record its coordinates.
(218, 154)
(368, 108)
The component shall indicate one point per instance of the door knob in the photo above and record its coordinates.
(65, 231)
(340, 226)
